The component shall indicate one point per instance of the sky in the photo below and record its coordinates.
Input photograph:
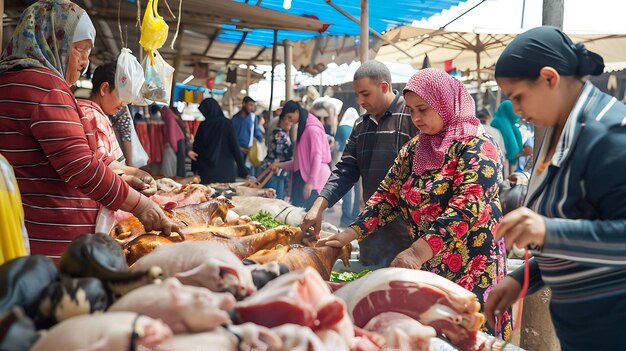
(505, 16)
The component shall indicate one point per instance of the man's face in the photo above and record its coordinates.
(248, 107)
(371, 95)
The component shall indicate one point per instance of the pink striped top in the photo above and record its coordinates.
(105, 136)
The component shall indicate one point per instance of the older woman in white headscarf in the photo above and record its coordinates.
(63, 179)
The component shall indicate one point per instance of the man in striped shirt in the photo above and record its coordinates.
(372, 147)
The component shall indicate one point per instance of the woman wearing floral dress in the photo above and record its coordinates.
(444, 183)
(280, 150)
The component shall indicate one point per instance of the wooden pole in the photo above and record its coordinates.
(1, 24)
(553, 13)
(273, 66)
(288, 64)
(248, 78)
(364, 44)
(177, 60)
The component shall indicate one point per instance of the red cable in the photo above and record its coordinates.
(522, 294)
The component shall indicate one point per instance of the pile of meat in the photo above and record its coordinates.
(227, 282)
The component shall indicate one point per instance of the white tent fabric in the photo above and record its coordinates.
(344, 73)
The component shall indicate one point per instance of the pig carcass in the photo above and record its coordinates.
(71, 297)
(296, 257)
(426, 297)
(242, 247)
(184, 308)
(99, 256)
(202, 263)
(247, 336)
(23, 280)
(112, 331)
(281, 210)
(189, 194)
(401, 332)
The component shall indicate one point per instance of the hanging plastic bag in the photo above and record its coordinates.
(129, 77)
(154, 30)
(158, 78)
(140, 156)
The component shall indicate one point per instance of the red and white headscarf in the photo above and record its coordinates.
(451, 100)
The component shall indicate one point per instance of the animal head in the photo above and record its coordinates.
(72, 297)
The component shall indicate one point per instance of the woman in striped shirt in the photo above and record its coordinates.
(64, 180)
(575, 219)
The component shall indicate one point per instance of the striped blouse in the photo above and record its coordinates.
(105, 136)
(52, 148)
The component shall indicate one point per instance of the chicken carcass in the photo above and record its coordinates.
(401, 332)
(242, 247)
(426, 297)
(186, 309)
(204, 264)
(111, 331)
(296, 257)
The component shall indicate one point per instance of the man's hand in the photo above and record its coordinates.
(339, 240)
(314, 217)
(245, 150)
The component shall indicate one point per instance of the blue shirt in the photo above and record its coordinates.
(243, 129)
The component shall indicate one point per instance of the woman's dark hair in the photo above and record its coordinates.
(548, 46)
(104, 73)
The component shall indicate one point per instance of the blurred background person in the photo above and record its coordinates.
(505, 120)
(219, 158)
(352, 199)
(281, 150)
(310, 165)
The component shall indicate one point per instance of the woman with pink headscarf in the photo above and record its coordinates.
(444, 183)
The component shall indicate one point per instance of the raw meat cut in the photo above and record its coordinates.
(185, 308)
(426, 297)
(401, 332)
(300, 298)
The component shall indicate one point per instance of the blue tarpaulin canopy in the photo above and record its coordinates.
(383, 15)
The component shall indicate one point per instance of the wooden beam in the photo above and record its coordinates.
(238, 14)
(288, 63)
(211, 41)
(236, 49)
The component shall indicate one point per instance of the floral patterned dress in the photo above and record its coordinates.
(455, 209)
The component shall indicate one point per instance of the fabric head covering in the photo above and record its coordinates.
(210, 108)
(349, 117)
(451, 100)
(545, 46)
(504, 120)
(43, 36)
(292, 106)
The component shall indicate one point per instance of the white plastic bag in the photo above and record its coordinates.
(158, 79)
(140, 156)
(129, 77)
